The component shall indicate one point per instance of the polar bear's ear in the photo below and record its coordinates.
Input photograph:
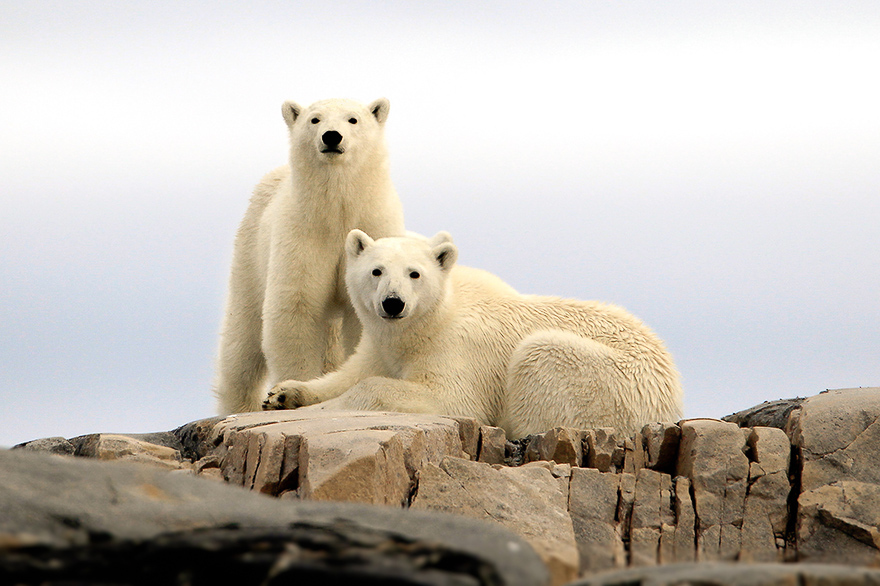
(290, 111)
(440, 238)
(357, 242)
(446, 255)
(380, 109)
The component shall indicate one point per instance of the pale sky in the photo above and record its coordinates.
(714, 167)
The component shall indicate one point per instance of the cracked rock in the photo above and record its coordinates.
(712, 457)
(840, 523)
(838, 434)
(526, 500)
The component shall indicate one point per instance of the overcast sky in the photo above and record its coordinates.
(714, 167)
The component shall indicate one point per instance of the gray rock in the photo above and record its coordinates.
(86, 521)
(767, 414)
(49, 445)
(730, 574)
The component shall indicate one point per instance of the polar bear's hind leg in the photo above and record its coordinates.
(559, 378)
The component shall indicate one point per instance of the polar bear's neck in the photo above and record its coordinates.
(341, 191)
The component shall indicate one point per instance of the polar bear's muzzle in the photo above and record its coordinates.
(392, 307)
(332, 143)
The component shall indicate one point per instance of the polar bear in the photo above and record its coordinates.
(445, 339)
(287, 284)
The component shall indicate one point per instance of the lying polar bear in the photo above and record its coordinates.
(452, 340)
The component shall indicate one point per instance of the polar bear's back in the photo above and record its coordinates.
(484, 300)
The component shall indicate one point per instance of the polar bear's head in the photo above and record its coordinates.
(336, 131)
(399, 278)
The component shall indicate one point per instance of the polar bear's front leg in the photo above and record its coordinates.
(289, 394)
(295, 318)
(292, 394)
(379, 393)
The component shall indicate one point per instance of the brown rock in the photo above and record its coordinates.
(625, 504)
(107, 446)
(652, 510)
(561, 445)
(492, 442)
(711, 455)
(840, 523)
(593, 507)
(350, 456)
(683, 549)
(765, 515)
(838, 435)
(660, 444)
(469, 434)
(605, 450)
(526, 500)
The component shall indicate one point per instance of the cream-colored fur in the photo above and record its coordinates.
(286, 290)
(463, 342)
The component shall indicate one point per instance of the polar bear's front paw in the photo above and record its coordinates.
(288, 395)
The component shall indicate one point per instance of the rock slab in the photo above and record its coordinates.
(85, 521)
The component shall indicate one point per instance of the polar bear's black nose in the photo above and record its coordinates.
(393, 306)
(331, 138)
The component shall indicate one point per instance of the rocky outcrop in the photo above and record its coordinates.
(792, 481)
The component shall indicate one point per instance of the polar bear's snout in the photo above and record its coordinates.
(332, 141)
(393, 307)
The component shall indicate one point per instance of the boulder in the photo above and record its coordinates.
(838, 436)
(87, 521)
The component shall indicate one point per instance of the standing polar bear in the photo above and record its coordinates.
(459, 341)
(287, 287)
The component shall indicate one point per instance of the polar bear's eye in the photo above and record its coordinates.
(315, 120)
(377, 272)
(353, 120)
(414, 275)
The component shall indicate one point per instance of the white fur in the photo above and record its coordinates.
(286, 289)
(467, 344)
